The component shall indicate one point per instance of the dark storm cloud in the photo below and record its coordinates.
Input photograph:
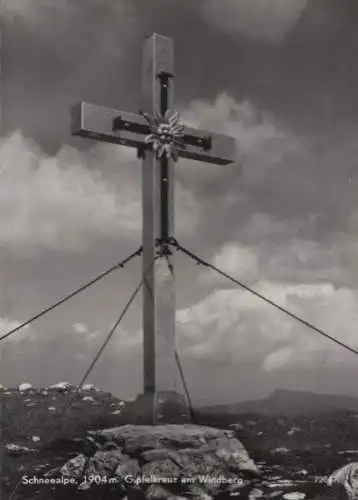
(90, 50)
(267, 20)
(56, 53)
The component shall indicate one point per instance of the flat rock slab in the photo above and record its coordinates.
(186, 435)
(166, 460)
(134, 439)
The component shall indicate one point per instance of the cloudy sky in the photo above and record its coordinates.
(278, 75)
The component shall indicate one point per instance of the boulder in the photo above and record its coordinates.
(198, 492)
(24, 387)
(200, 461)
(294, 495)
(159, 454)
(128, 467)
(348, 477)
(141, 437)
(88, 387)
(104, 463)
(61, 386)
(15, 449)
(74, 468)
(158, 460)
(164, 468)
(255, 494)
(234, 454)
(157, 492)
(88, 398)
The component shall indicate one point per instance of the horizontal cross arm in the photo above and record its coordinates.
(208, 147)
(129, 129)
(98, 122)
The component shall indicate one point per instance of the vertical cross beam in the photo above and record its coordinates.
(161, 375)
(162, 398)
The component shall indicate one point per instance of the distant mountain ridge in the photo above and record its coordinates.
(287, 403)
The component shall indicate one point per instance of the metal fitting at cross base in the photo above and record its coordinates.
(173, 242)
(163, 245)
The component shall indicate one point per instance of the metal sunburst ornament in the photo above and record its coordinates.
(166, 135)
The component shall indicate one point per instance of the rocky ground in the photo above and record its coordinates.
(45, 435)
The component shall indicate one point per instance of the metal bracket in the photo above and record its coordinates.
(141, 152)
(204, 143)
(164, 251)
(119, 124)
(164, 76)
(137, 128)
(164, 247)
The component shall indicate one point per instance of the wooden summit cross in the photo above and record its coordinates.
(159, 139)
